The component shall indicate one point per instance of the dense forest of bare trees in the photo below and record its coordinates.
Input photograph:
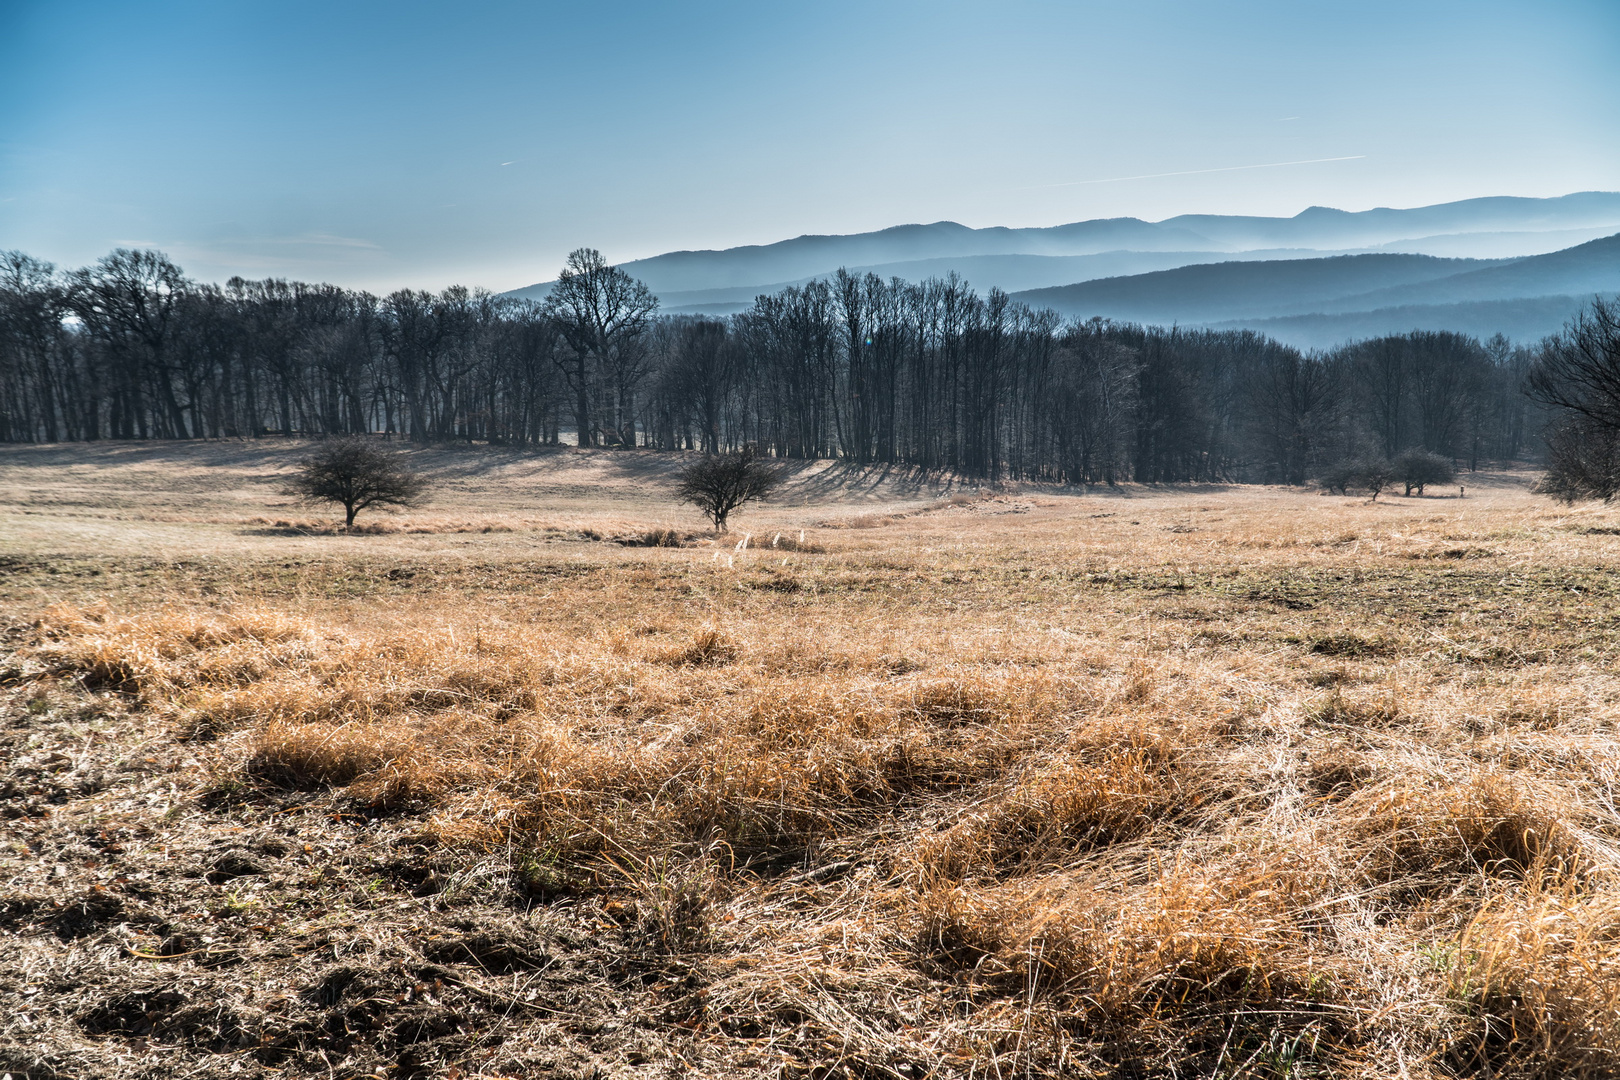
(930, 374)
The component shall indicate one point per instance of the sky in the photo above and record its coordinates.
(384, 145)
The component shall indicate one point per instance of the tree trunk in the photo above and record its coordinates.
(582, 406)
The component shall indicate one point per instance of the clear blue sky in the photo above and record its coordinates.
(385, 144)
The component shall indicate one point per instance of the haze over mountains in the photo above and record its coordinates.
(1515, 265)
(1284, 297)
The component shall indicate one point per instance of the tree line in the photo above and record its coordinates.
(931, 374)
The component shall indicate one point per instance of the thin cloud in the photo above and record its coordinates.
(1197, 172)
(267, 254)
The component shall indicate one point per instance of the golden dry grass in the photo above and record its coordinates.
(1223, 782)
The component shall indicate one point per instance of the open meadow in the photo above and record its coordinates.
(948, 782)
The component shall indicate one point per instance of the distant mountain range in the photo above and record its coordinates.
(1521, 266)
(1318, 302)
(1212, 292)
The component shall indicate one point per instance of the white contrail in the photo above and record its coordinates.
(1195, 172)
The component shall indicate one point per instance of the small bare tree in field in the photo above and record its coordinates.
(720, 484)
(358, 474)
(1371, 473)
(1417, 468)
(1375, 475)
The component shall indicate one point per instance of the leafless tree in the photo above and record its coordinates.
(1577, 375)
(1382, 371)
(1578, 371)
(703, 373)
(358, 474)
(720, 484)
(1417, 468)
(1447, 371)
(127, 301)
(602, 312)
(1374, 474)
(1291, 399)
(1583, 460)
(31, 309)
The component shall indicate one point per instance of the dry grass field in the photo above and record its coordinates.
(947, 783)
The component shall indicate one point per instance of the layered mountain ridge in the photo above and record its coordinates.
(1520, 266)
(1318, 302)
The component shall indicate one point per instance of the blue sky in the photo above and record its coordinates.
(386, 144)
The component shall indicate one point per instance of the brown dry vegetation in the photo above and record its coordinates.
(1224, 782)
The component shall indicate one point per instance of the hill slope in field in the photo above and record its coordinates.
(1018, 258)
